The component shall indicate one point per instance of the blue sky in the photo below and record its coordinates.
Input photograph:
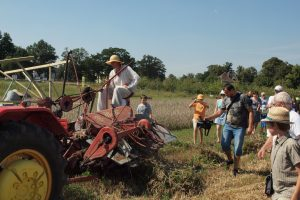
(187, 35)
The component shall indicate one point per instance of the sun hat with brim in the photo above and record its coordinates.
(17, 92)
(200, 97)
(114, 58)
(279, 115)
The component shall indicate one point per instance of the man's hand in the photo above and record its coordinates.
(250, 129)
(261, 154)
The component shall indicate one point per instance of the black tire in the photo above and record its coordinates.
(23, 137)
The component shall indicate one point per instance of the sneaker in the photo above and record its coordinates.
(229, 162)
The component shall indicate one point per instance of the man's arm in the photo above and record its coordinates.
(215, 115)
(134, 78)
(250, 121)
(268, 144)
(296, 194)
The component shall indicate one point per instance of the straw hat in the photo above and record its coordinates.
(200, 97)
(114, 58)
(278, 114)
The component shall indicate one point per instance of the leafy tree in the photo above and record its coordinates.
(214, 71)
(7, 48)
(273, 70)
(246, 75)
(151, 67)
(77, 58)
(43, 52)
(293, 78)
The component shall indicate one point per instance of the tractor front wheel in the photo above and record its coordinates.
(31, 165)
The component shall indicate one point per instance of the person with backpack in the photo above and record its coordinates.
(238, 121)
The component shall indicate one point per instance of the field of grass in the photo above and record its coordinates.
(181, 170)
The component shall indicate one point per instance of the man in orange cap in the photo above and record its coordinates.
(121, 86)
(199, 113)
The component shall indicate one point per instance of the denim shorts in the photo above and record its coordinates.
(235, 133)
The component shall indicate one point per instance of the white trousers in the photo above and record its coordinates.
(116, 95)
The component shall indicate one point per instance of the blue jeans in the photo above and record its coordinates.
(229, 133)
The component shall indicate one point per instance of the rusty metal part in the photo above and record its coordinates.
(66, 103)
(88, 94)
(105, 141)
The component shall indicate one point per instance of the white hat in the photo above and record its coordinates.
(222, 92)
(278, 88)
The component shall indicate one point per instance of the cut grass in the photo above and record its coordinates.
(183, 170)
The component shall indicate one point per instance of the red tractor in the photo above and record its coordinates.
(40, 151)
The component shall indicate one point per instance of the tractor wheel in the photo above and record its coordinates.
(31, 165)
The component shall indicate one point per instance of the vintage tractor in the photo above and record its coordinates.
(40, 151)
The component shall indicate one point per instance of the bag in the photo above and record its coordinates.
(269, 185)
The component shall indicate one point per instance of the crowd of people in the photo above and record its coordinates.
(237, 114)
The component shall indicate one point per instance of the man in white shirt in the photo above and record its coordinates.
(121, 86)
(283, 99)
(277, 89)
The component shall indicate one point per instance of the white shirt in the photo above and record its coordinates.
(270, 101)
(126, 77)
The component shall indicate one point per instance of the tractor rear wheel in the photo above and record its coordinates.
(31, 165)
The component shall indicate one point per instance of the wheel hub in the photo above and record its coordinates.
(23, 179)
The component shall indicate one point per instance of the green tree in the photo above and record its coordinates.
(77, 58)
(43, 52)
(246, 75)
(151, 67)
(273, 70)
(293, 78)
(7, 48)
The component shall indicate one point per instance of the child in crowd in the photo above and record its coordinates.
(199, 114)
(285, 156)
(144, 108)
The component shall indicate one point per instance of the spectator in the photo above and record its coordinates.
(277, 89)
(239, 117)
(263, 112)
(285, 156)
(219, 121)
(283, 99)
(121, 86)
(199, 114)
(256, 105)
(144, 108)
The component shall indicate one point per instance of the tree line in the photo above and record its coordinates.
(152, 70)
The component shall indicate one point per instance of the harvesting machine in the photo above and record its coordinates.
(40, 150)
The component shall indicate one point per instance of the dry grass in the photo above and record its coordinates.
(186, 171)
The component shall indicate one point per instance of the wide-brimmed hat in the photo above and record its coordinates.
(278, 114)
(18, 92)
(114, 58)
(200, 96)
(222, 92)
